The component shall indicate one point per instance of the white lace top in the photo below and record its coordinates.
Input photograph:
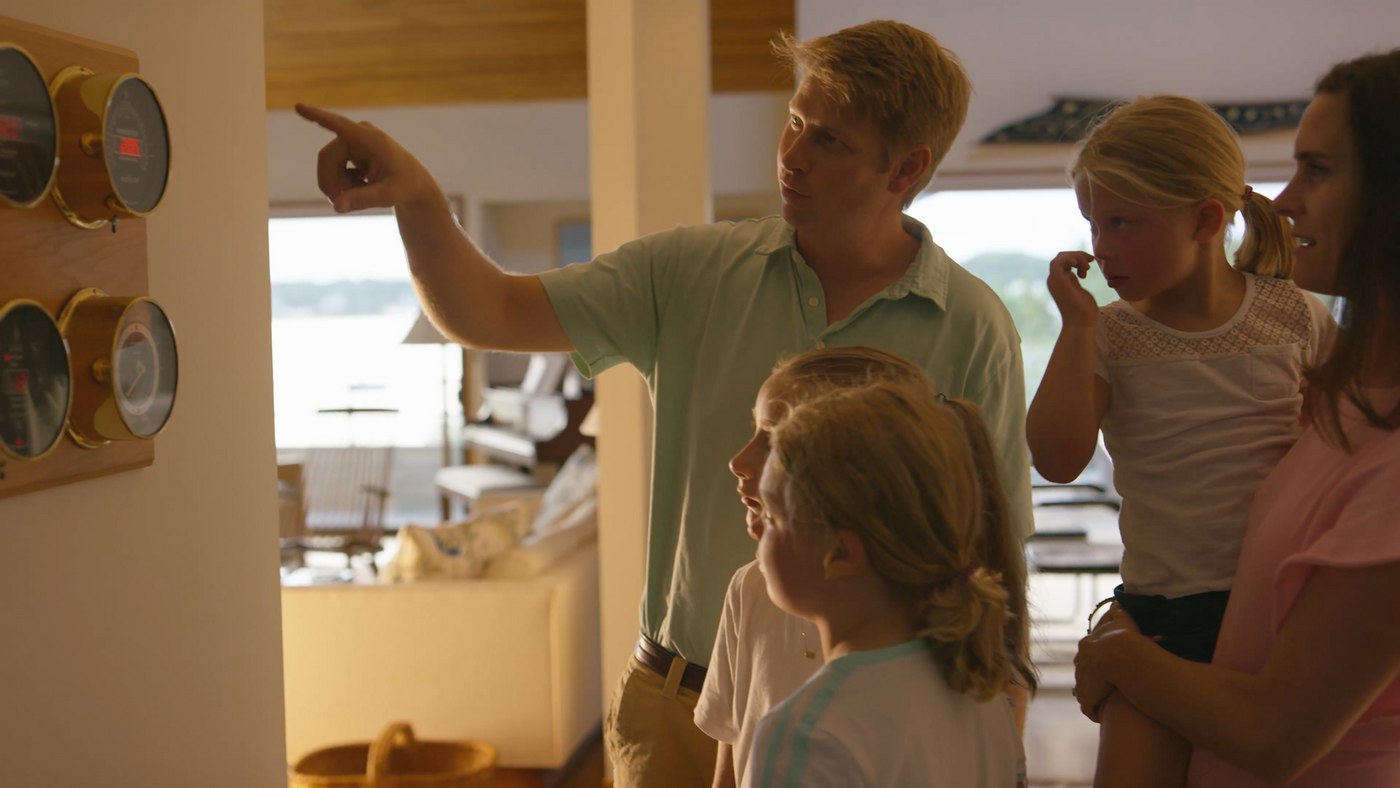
(1195, 422)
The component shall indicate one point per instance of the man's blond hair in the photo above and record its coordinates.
(912, 88)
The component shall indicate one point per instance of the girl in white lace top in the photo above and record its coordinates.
(1194, 375)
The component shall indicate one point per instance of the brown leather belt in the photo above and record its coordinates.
(651, 654)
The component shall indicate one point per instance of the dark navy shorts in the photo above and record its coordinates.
(1187, 626)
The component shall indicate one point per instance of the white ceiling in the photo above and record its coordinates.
(1022, 53)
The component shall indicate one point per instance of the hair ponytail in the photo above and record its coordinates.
(1267, 246)
(964, 620)
(1001, 548)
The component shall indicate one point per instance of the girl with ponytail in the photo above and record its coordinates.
(1195, 377)
(762, 654)
(1304, 687)
(883, 524)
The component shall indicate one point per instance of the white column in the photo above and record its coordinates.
(648, 101)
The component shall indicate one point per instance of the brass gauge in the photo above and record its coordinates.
(125, 364)
(28, 130)
(35, 389)
(114, 143)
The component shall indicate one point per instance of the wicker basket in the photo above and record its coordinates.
(397, 760)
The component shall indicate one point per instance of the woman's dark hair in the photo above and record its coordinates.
(1368, 273)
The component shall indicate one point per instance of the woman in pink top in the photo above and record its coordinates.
(1304, 688)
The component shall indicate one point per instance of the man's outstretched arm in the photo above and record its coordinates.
(468, 297)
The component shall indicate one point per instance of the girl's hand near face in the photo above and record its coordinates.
(1062, 423)
(1077, 305)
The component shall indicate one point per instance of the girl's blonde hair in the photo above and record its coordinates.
(1173, 152)
(914, 477)
(805, 375)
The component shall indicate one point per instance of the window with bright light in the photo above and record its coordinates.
(1007, 238)
(342, 303)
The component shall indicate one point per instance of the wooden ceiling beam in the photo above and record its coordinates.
(362, 53)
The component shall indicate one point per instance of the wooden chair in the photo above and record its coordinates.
(344, 492)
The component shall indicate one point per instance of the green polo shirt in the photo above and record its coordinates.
(704, 313)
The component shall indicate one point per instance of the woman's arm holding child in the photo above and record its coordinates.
(1062, 425)
(1278, 722)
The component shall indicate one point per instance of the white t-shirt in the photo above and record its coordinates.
(886, 718)
(1195, 422)
(759, 659)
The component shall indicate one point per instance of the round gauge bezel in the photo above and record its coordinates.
(125, 324)
(53, 121)
(5, 311)
(94, 324)
(92, 143)
(108, 154)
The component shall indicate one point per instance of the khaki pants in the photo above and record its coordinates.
(651, 736)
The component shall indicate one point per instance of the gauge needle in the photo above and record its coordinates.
(140, 373)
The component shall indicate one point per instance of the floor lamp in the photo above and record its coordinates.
(424, 332)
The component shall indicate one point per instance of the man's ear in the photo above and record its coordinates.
(910, 169)
(847, 557)
(1210, 220)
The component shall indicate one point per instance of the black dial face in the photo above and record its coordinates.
(28, 132)
(34, 382)
(144, 369)
(136, 146)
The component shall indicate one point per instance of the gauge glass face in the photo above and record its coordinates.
(144, 369)
(135, 145)
(28, 132)
(34, 381)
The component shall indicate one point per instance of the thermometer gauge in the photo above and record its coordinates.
(28, 130)
(126, 367)
(35, 390)
(115, 146)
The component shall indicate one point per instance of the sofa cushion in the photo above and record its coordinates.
(454, 550)
(575, 484)
(537, 552)
(512, 662)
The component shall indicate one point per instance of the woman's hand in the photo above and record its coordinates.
(1077, 305)
(1099, 652)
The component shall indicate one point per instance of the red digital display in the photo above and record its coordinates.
(17, 382)
(9, 127)
(129, 146)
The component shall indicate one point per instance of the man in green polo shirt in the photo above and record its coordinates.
(704, 313)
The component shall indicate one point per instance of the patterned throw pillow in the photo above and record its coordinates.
(454, 550)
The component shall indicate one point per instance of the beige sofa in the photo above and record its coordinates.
(512, 662)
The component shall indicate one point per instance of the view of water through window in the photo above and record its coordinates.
(342, 303)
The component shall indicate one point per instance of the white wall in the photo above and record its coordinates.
(536, 152)
(522, 235)
(139, 611)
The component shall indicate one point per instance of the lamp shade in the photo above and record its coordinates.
(424, 332)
